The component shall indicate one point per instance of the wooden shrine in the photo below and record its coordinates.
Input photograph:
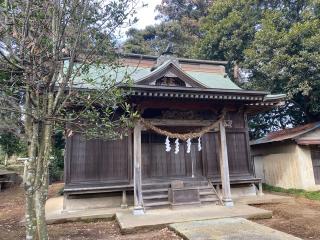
(193, 128)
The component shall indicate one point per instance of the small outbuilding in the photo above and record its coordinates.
(289, 158)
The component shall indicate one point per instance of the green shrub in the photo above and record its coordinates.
(57, 161)
(313, 195)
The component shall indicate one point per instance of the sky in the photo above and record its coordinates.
(146, 15)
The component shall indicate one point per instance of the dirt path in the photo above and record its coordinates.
(301, 218)
(12, 211)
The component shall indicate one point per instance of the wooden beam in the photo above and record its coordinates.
(182, 123)
(224, 167)
(137, 186)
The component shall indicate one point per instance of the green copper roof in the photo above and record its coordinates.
(213, 80)
(210, 80)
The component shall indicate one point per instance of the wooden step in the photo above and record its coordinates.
(156, 204)
(211, 199)
(207, 193)
(155, 190)
(158, 196)
(154, 186)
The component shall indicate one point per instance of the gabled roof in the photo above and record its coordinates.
(207, 79)
(171, 67)
(288, 134)
(203, 73)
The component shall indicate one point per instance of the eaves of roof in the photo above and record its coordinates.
(286, 134)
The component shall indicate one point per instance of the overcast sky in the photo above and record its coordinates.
(146, 15)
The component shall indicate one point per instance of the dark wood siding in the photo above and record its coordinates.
(96, 160)
(210, 153)
(240, 162)
(237, 153)
(157, 163)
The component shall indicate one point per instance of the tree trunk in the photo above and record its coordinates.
(42, 181)
(29, 183)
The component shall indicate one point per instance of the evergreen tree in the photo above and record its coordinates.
(180, 25)
(277, 43)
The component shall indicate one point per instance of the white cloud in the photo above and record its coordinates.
(146, 14)
(145, 17)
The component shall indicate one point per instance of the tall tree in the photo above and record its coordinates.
(275, 42)
(180, 25)
(285, 56)
(43, 57)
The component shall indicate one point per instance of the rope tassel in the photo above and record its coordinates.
(168, 147)
(177, 146)
(188, 145)
(199, 144)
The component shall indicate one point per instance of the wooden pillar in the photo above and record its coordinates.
(137, 182)
(224, 167)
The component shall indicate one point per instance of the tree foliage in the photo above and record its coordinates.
(277, 43)
(285, 56)
(280, 117)
(179, 25)
(11, 144)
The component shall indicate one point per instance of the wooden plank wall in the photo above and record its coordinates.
(89, 161)
(240, 165)
(157, 163)
(96, 160)
(240, 162)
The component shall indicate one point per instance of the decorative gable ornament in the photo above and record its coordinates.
(172, 71)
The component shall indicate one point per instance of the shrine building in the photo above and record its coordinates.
(190, 145)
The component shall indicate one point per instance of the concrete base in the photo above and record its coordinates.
(228, 229)
(228, 202)
(123, 206)
(138, 211)
(161, 217)
(77, 203)
(249, 190)
(264, 199)
(79, 210)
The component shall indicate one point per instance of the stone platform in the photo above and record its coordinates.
(228, 229)
(55, 213)
(266, 198)
(162, 217)
(107, 207)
